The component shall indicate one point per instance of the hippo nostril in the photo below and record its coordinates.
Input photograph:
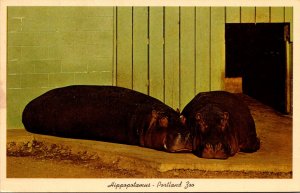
(209, 146)
(218, 147)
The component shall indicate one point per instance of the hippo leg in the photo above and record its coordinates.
(251, 144)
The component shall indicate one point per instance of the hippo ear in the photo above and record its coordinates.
(154, 114)
(153, 119)
(163, 122)
(201, 122)
(224, 120)
(182, 119)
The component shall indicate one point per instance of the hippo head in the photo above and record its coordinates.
(167, 132)
(212, 135)
(178, 140)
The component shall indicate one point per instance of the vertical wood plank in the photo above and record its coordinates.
(114, 69)
(248, 15)
(156, 66)
(233, 15)
(289, 19)
(262, 15)
(202, 49)
(217, 48)
(172, 56)
(187, 55)
(277, 14)
(140, 49)
(124, 47)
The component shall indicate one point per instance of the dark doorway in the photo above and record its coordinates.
(257, 53)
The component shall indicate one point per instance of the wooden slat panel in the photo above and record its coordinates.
(187, 55)
(262, 15)
(172, 56)
(202, 49)
(114, 67)
(289, 19)
(124, 47)
(233, 15)
(156, 66)
(277, 14)
(217, 48)
(140, 49)
(248, 15)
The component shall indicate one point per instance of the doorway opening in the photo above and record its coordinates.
(256, 62)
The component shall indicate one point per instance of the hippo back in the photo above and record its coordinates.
(106, 113)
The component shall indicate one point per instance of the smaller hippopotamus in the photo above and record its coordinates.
(107, 113)
(221, 125)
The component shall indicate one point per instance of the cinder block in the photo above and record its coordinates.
(95, 23)
(47, 66)
(55, 52)
(73, 65)
(68, 52)
(21, 39)
(61, 79)
(103, 49)
(63, 12)
(47, 38)
(14, 53)
(35, 24)
(13, 81)
(95, 11)
(67, 38)
(13, 67)
(94, 78)
(14, 24)
(100, 64)
(27, 66)
(34, 80)
(34, 52)
(80, 53)
(63, 24)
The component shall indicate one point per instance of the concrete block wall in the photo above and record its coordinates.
(52, 47)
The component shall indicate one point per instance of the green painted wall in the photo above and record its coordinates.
(52, 47)
(171, 53)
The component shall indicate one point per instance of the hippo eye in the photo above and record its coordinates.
(201, 122)
(203, 128)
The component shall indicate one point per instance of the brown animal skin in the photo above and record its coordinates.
(221, 125)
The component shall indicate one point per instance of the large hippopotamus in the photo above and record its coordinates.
(107, 113)
(221, 125)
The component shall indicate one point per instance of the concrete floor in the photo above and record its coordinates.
(274, 156)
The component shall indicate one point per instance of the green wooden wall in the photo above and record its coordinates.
(171, 53)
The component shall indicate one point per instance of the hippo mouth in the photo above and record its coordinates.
(217, 151)
(179, 144)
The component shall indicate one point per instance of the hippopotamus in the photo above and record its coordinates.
(107, 113)
(221, 125)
